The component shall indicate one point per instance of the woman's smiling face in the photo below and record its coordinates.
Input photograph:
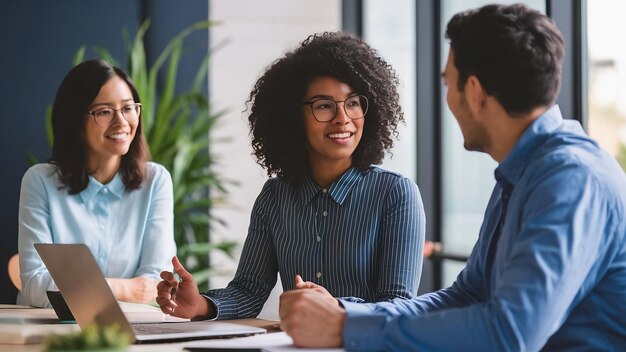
(112, 141)
(333, 141)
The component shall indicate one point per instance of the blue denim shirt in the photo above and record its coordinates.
(557, 278)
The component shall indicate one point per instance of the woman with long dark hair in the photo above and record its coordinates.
(98, 188)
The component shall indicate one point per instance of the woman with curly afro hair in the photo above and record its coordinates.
(320, 118)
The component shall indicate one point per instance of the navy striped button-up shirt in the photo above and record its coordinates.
(361, 237)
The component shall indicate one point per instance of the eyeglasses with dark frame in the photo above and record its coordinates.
(106, 115)
(325, 109)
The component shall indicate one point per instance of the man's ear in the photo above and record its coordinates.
(475, 95)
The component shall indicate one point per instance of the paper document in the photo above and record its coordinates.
(277, 341)
(145, 313)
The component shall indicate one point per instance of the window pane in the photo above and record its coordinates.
(467, 176)
(389, 27)
(607, 74)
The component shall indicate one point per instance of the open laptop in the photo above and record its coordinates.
(87, 294)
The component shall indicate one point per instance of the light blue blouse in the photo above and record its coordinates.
(130, 233)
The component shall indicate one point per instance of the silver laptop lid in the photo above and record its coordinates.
(89, 298)
(80, 280)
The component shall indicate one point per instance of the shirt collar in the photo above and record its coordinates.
(512, 167)
(338, 190)
(115, 187)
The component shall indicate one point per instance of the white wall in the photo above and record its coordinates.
(252, 34)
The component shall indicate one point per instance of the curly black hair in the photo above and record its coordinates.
(276, 102)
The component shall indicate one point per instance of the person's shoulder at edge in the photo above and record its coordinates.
(43, 172)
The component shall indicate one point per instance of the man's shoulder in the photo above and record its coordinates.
(574, 149)
(574, 155)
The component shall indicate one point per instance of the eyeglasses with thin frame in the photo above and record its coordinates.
(106, 115)
(325, 109)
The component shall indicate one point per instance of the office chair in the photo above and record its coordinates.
(14, 271)
(434, 251)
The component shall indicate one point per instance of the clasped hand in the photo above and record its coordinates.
(311, 316)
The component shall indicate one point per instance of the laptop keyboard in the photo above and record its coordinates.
(153, 329)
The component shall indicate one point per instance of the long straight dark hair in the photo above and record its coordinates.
(69, 117)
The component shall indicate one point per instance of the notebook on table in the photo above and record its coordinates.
(89, 297)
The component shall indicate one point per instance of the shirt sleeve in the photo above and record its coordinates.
(563, 225)
(34, 227)
(401, 242)
(464, 291)
(158, 246)
(258, 267)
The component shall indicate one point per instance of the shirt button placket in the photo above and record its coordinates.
(318, 236)
(103, 210)
(103, 225)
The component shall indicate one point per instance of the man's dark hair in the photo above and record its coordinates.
(276, 115)
(515, 52)
(69, 116)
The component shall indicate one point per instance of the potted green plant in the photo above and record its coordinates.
(177, 126)
(91, 338)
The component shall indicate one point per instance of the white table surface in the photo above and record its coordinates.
(34, 323)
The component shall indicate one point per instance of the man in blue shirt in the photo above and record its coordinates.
(549, 268)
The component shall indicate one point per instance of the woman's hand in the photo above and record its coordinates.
(138, 289)
(182, 299)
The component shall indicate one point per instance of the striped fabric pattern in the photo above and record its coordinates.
(361, 237)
